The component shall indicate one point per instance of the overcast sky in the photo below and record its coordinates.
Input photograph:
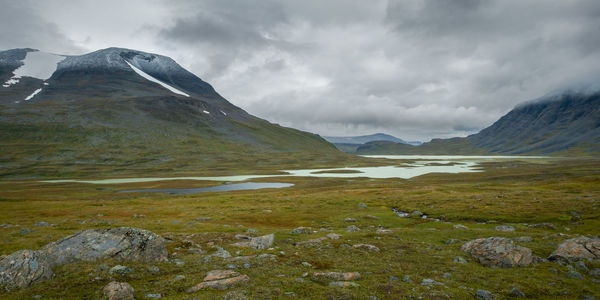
(417, 69)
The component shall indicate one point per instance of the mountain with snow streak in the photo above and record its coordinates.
(120, 107)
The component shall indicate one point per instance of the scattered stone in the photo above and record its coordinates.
(383, 231)
(400, 213)
(251, 230)
(352, 228)
(427, 281)
(258, 243)
(574, 275)
(43, 224)
(343, 284)
(543, 225)
(235, 295)
(460, 226)
(179, 277)
(576, 249)
(302, 230)
(498, 252)
(221, 280)
(452, 241)
(416, 213)
(153, 269)
(515, 292)
(366, 247)
(267, 256)
(153, 296)
(118, 291)
(335, 276)
(460, 260)
(222, 253)
(581, 266)
(362, 205)
(333, 236)
(523, 239)
(350, 220)
(505, 228)
(407, 279)
(484, 295)
(447, 275)
(202, 219)
(25, 231)
(306, 264)
(178, 262)
(231, 266)
(394, 278)
(120, 270)
(195, 250)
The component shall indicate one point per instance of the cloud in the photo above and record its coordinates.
(417, 69)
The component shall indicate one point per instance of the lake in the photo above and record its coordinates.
(218, 188)
(421, 165)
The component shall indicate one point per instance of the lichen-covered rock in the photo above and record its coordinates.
(577, 248)
(302, 230)
(25, 267)
(118, 291)
(498, 252)
(258, 243)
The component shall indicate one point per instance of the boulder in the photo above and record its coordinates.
(302, 230)
(504, 228)
(118, 291)
(258, 243)
(368, 247)
(498, 252)
(352, 228)
(25, 267)
(576, 249)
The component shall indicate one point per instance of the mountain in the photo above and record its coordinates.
(564, 123)
(119, 110)
(349, 144)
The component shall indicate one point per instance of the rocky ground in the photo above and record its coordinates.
(516, 231)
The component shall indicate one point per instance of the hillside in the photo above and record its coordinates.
(121, 110)
(566, 123)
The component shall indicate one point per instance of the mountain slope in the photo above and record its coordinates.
(363, 139)
(120, 110)
(566, 123)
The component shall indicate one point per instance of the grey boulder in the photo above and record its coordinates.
(498, 252)
(576, 249)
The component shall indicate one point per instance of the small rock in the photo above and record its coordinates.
(251, 230)
(505, 228)
(179, 277)
(258, 243)
(343, 284)
(460, 260)
(366, 247)
(152, 296)
(302, 230)
(484, 295)
(121, 270)
(407, 279)
(235, 295)
(447, 275)
(460, 226)
(231, 266)
(574, 275)
(118, 291)
(352, 228)
(522, 239)
(153, 269)
(452, 241)
(383, 231)
(222, 253)
(515, 292)
(416, 213)
(43, 224)
(306, 264)
(333, 236)
(178, 262)
(267, 256)
(195, 250)
(336, 276)
(362, 205)
(350, 220)
(427, 281)
(394, 278)
(543, 225)
(24, 231)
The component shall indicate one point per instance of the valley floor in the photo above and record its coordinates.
(515, 193)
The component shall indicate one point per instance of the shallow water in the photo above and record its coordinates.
(218, 188)
(458, 164)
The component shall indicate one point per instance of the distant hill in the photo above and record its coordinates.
(120, 110)
(566, 123)
(350, 144)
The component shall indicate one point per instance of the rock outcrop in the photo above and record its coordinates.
(220, 280)
(25, 267)
(498, 252)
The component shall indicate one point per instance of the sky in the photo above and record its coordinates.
(416, 69)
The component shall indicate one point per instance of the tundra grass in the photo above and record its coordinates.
(565, 193)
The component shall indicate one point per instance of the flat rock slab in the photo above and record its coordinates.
(220, 280)
(25, 267)
(498, 252)
(576, 249)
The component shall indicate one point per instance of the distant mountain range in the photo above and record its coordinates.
(349, 144)
(567, 123)
(120, 109)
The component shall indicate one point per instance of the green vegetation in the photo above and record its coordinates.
(565, 193)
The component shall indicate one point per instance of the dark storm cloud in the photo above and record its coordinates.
(417, 69)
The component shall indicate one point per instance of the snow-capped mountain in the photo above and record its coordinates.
(119, 105)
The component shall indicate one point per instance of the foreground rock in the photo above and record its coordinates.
(498, 252)
(25, 267)
(257, 243)
(576, 249)
(118, 291)
(220, 280)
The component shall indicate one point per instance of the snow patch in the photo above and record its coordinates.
(33, 94)
(45, 83)
(206, 112)
(37, 64)
(150, 78)
(223, 113)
